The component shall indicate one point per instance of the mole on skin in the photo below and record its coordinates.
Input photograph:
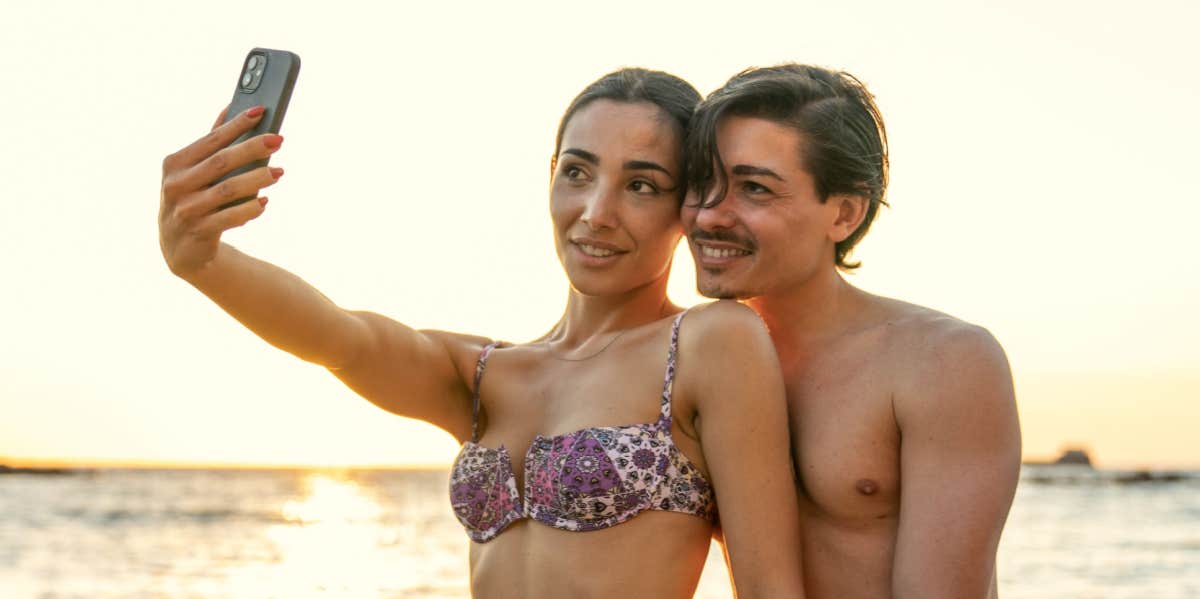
(866, 486)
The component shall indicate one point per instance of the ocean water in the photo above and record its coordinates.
(390, 534)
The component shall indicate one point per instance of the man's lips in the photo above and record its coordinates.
(711, 250)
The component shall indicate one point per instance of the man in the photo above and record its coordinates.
(904, 424)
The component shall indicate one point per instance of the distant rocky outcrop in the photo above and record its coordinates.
(1074, 467)
(1069, 457)
(1074, 457)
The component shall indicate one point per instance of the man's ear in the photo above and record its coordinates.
(850, 211)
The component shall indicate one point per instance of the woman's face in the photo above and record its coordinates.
(614, 197)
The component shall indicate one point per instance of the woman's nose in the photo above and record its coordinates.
(600, 212)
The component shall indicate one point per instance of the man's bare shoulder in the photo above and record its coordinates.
(921, 333)
(925, 346)
(939, 364)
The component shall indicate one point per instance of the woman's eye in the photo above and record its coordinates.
(573, 172)
(641, 186)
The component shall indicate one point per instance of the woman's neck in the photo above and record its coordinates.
(589, 316)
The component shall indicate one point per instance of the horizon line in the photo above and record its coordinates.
(132, 464)
(85, 464)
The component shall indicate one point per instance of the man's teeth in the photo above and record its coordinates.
(592, 250)
(711, 252)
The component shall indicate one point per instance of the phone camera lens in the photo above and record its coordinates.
(246, 79)
(253, 62)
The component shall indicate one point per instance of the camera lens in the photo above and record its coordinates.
(246, 79)
(253, 62)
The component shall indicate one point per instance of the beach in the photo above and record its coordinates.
(1072, 533)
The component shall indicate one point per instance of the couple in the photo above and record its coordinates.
(856, 446)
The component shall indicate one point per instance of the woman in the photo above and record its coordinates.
(593, 457)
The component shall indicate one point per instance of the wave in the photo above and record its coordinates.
(170, 516)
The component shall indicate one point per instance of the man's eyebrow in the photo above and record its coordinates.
(584, 154)
(746, 169)
(639, 165)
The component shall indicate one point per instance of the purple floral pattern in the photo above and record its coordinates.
(584, 480)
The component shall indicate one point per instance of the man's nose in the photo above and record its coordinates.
(719, 216)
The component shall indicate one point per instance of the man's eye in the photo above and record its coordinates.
(752, 187)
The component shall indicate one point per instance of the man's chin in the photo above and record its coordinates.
(718, 291)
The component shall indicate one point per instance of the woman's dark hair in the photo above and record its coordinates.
(843, 141)
(674, 97)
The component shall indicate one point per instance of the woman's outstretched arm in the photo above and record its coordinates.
(729, 369)
(423, 378)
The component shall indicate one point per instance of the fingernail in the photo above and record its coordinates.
(255, 112)
(276, 173)
(262, 201)
(273, 141)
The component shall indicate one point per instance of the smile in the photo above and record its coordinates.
(712, 252)
(594, 251)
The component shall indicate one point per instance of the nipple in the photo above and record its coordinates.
(866, 486)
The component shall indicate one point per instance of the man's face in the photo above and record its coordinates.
(771, 232)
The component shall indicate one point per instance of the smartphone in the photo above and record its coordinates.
(266, 78)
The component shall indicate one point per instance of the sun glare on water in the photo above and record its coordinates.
(328, 543)
(331, 501)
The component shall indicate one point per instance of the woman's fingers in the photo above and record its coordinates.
(218, 138)
(230, 159)
(220, 118)
(203, 203)
(232, 217)
(201, 176)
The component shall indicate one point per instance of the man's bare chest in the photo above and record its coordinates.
(844, 439)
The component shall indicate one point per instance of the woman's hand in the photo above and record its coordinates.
(189, 222)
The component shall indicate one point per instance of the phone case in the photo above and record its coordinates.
(267, 78)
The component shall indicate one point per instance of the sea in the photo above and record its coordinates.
(106, 533)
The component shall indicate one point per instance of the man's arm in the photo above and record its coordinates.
(960, 458)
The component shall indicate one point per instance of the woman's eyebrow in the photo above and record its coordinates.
(640, 165)
(584, 154)
(629, 165)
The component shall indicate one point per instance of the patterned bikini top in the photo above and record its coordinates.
(583, 480)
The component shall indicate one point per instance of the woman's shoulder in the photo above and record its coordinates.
(722, 319)
(721, 336)
(724, 348)
(464, 350)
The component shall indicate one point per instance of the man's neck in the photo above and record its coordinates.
(816, 308)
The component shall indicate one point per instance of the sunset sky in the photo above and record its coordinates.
(1043, 166)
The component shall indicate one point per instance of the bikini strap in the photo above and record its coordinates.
(669, 382)
(479, 366)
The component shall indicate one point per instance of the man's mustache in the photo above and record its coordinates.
(722, 235)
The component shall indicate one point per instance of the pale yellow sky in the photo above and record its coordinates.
(1042, 156)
